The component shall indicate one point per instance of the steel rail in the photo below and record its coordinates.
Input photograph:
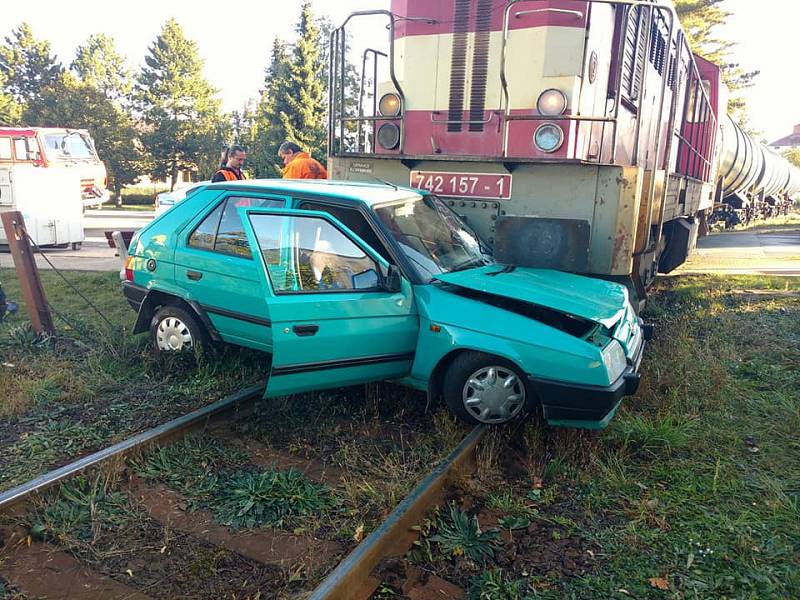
(350, 579)
(18, 494)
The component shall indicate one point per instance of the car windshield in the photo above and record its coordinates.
(65, 146)
(432, 236)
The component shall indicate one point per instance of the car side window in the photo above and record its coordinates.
(309, 254)
(222, 230)
(204, 234)
(231, 238)
(354, 221)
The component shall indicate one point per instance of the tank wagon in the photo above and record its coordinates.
(580, 135)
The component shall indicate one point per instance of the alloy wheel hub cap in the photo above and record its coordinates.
(493, 395)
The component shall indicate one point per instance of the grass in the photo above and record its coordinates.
(692, 492)
(790, 222)
(697, 482)
(94, 384)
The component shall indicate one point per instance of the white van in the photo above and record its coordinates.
(50, 196)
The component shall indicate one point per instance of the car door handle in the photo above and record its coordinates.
(305, 330)
(194, 275)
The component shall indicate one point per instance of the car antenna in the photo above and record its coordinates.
(384, 182)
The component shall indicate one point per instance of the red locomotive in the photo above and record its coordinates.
(580, 135)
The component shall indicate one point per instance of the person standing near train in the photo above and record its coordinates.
(298, 164)
(230, 169)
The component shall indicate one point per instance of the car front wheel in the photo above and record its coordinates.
(173, 329)
(482, 388)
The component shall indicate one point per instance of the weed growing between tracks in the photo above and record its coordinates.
(692, 492)
(91, 386)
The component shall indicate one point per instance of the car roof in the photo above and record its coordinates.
(368, 193)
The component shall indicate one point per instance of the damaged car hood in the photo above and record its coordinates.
(600, 301)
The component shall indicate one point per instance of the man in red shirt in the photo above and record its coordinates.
(298, 164)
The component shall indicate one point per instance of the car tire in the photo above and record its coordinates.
(76, 245)
(506, 393)
(174, 329)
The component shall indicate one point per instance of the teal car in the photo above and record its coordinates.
(347, 283)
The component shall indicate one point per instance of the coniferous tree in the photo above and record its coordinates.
(268, 132)
(304, 122)
(98, 63)
(10, 109)
(27, 68)
(179, 108)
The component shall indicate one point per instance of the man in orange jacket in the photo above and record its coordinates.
(298, 164)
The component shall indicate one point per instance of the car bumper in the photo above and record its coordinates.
(134, 294)
(586, 406)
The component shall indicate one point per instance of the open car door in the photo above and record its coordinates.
(337, 318)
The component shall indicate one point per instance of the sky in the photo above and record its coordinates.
(241, 34)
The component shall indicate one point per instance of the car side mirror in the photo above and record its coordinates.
(391, 279)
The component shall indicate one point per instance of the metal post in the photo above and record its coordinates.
(27, 273)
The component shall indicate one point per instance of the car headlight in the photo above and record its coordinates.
(548, 137)
(389, 105)
(552, 103)
(614, 360)
(389, 136)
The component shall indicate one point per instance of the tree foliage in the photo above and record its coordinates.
(292, 103)
(26, 67)
(700, 19)
(10, 109)
(98, 63)
(179, 108)
(80, 104)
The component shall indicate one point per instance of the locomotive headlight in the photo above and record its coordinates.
(389, 136)
(548, 137)
(552, 103)
(389, 105)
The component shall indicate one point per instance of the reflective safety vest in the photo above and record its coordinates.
(228, 174)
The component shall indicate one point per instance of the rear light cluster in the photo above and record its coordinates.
(129, 269)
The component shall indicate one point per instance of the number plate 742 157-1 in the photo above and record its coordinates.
(494, 186)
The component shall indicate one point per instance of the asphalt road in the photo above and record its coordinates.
(767, 252)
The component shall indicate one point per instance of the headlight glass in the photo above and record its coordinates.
(548, 137)
(552, 103)
(614, 360)
(389, 105)
(389, 136)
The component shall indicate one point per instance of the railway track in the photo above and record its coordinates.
(174, 511)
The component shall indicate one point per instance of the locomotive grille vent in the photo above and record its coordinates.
(458, 64)
(480, 65)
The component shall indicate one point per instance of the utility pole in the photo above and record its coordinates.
(27, 273)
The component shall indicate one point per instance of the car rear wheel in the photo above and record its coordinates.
(482, 388)
(173, 329)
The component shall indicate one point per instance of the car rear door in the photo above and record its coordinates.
(334, 321)
(216, 268)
